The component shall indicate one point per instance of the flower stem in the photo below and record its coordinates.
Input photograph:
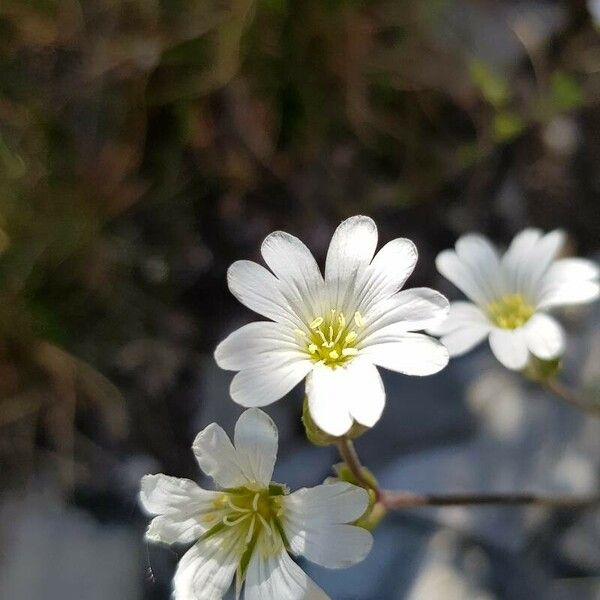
(395, 500)
(402, 500)
(350, 457)
(564, 393)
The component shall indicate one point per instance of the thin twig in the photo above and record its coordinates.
(394, 500)
(564, 393)
(401, 500)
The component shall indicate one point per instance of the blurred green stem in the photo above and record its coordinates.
(564, 393)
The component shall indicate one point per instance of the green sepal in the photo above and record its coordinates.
(375, 511)
(541, 370)
(278, 489)
(318, 437)
(344, 473)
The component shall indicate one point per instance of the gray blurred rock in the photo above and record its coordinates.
(56, 552)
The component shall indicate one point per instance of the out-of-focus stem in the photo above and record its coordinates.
(397, 500)
(402, 500)
(564, 393)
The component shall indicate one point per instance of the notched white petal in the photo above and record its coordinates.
(545, 337)
(256, 444)
(255, 343)
(408, 353)
(352, 247)
(414, 309)
(328, 406)
(279, 578)
(162, 493)
(463, 277)
(206, 570)
(327, 504)
(259, 290)
(269, 381)
(386, 274)
(180, 504)
(510, 347)
(316, 526)
(217, 457)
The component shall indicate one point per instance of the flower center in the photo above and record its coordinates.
(332, 339)
(251, 512)
(510, 312)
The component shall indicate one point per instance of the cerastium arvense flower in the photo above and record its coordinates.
(511, 295)
(334, 329)
(247, 528)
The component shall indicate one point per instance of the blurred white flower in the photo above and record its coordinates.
(333, 329)
(247, 527)
(512, 294)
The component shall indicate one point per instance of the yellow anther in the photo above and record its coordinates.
(329, 339)
(510, 311)
(358, 319)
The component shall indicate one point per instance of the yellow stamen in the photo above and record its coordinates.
(510, 311)
(316, 323)
(331, 340)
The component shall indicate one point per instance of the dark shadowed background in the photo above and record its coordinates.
(147, 144)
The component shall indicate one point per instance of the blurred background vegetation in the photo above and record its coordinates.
(146, 144)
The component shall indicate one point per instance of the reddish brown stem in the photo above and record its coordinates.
(394, 500)
(401, 500)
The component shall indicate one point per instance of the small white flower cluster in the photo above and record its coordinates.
(334, 330)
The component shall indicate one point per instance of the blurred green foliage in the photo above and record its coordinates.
(141, 141)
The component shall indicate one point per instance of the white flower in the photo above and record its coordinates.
(247, 527)
(333, 329)
(512, 294)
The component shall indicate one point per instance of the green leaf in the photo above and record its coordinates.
(507, 126)
(493, 88)
(566, 91)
